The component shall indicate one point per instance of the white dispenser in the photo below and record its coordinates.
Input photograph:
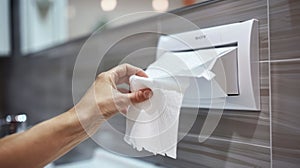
(236, 48)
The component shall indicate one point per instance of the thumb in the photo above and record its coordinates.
(140, 96)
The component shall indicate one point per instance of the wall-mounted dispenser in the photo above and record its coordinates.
(237, 50)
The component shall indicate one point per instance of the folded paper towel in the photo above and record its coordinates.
(153, 124)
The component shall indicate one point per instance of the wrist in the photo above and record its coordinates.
(72, 125)
(86, 118)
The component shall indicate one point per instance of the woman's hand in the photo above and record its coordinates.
(109, 98)
(104, 99)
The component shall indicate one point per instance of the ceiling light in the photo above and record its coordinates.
(160, 5)
(108, 5)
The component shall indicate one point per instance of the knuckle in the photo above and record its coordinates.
(101, 75)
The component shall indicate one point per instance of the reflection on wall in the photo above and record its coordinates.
(46, 23)
(86, 16)
(4, 27)
(43, 24)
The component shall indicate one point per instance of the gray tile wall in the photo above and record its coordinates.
(285, 79)
(40, 85)
(285, 113)
(284, 29)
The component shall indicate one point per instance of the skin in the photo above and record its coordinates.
(49, 140)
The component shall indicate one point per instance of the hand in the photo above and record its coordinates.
(103, 99)
(109, 98)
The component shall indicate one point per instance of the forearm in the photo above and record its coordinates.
(42, 143)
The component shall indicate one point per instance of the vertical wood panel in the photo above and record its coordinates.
(286, 114)
(285, 29)
(285, 78)
(237, 129)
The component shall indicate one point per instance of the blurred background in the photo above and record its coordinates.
(46, 23)
(40, 41)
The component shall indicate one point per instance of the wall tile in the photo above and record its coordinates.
(219, 153)
(232, 11)
(285, 113)
(284, 29)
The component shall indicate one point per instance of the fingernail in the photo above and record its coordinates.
(147, 93)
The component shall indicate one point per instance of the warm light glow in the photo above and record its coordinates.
(108, 5)
(188, 2)
(160, 5)
(71, 12)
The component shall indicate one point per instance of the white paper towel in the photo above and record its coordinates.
(153, 124)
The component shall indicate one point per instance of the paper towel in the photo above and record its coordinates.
(153, 125)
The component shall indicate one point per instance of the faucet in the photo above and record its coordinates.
(13, 124)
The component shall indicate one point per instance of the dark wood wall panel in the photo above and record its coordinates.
(285, 81)
(216, 153)
(231, 11)
(242, 139)
(285, 29)
(286, 114)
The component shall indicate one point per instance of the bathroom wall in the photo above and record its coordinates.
(285, 80)
(242, 138)
(5, 28)
(41, 26)
(41, 85)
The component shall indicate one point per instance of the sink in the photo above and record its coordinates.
(104, 158)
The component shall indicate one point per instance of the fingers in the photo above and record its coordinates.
(122, 72)
(124, 100)
(123, 90)
(140, 96)
(141, 74)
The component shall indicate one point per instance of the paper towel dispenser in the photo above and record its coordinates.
(232, 52)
